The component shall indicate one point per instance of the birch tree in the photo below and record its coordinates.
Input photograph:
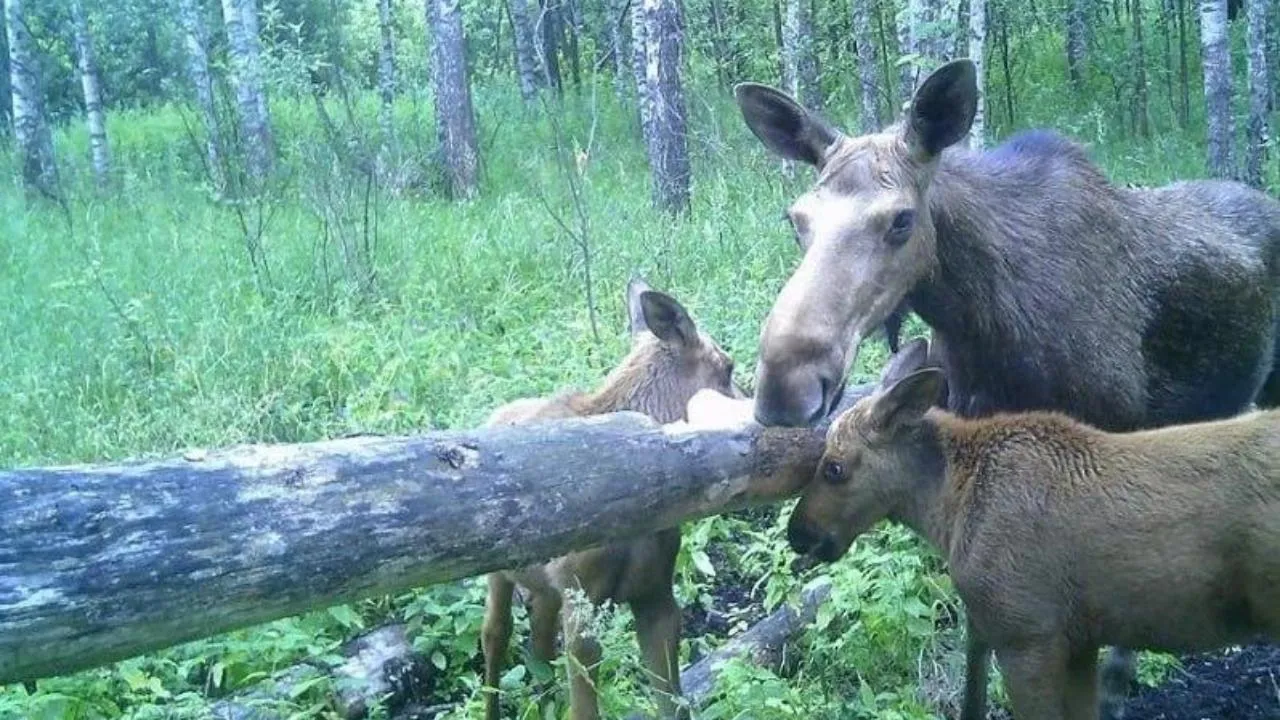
(527, 66)
(669, 153)
(30, 127)
(196, 39)
(244, 49)
(977, 53)
(799, 62)
(1257, 132)
(1217, 86)
(1138, 55)
(455, 117)
(926, 37)
(868, 74)
(640, 68)
(91, 84)
(618, 42)
(386, 72)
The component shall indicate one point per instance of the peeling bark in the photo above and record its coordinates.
(977, 53)
(105, 562)
(799, 63)
(669, 153)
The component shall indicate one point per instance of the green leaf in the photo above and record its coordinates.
(439, 660)
(346, 616)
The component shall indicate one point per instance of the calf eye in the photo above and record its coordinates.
(903, 223)
(833, 472)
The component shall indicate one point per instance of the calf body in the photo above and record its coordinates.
(670, 360)
(1060, 537)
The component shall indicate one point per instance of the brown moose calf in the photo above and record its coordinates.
(1060, 537)
(670, 360)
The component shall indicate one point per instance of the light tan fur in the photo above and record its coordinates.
(670, 360)
(1062, 538)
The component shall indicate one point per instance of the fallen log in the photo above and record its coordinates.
(100, 563)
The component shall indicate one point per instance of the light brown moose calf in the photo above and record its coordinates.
(669, 361)
(1060, 537)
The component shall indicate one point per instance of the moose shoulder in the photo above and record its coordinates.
(1061, 537)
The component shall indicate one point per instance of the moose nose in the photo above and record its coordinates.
(799, 398)
(802, 536)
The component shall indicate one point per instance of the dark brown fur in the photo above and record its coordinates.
(1060, 537)
(670, 360)
(1049, 287)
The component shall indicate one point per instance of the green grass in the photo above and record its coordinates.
(135, 325)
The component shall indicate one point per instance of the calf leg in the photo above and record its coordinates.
(1082, 685)
(544, 626)
(977, 653)
(1036, 679)
(584, 656)
(1118, 673)
(495, 637)
(658, 632)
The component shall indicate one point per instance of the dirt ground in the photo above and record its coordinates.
(1241, 684)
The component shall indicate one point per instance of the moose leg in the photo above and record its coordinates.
(658, 633)
(584, 655)
(1035, 677)
(1082, 685)
(1118, 674)
(544, 626)
(495, 638)
(977, 654)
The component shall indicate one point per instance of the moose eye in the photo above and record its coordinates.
(901, 228)
(833, 472)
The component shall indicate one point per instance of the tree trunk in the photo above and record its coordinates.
(573, 30)
(455, 118)
(1077, 41)
(91, 84)
(245, 52)
(547, 36)
(1004, 61)
(196, 36)
(720, 42)
(977, 53)
(670, 154)
(799, 64)
(1259, 92)
(386, 73)
(621, 53)
(1141, 112)
(527, 66)
(30, 127)
(640, 67)
(870, 118)
(908, 48)
(1183, 73)
(1165, 18)
(1217, 86)
(107, 562)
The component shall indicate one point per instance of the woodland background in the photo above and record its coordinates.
(285, 220)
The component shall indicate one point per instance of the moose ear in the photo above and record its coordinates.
(908, 359)
(783, 125)
(667, 318)
(636, 287)
(907, 400)
(942, 110)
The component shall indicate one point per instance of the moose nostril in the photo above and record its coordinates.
(801, 537)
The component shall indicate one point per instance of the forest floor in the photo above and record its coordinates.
(1239, 684)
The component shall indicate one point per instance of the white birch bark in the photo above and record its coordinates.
(455, 117)
(527, 66)
(386, 72)
(799, 64)
(868, 73)
(91, 84)
(1217, 86)
(196, 38)
(30, 128)
(245, 51)
(977, 53)
(670, 154)
(1257, 133)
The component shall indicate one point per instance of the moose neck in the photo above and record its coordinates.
(923, 505)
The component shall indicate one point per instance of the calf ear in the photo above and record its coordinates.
(636, 286)
(783, 125)
(909, 358)
(907, 400)
(667, 318)
(942, 110)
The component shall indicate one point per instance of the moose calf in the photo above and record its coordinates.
(1060, 537)
(669, 361)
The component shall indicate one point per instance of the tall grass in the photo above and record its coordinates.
(133, 325)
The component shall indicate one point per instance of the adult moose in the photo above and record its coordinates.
(1046, 286)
